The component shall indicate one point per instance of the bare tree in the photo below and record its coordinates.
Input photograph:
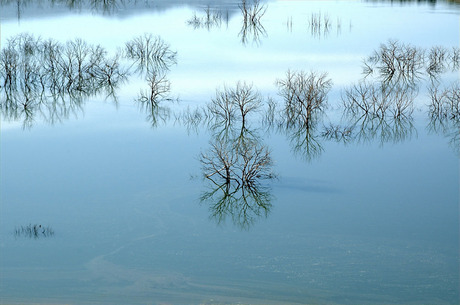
(379, 100)
(252, 26)
(304, 94)
(396, 61)
(50, 78)
(235, 103)
(150, 53)
(235, 169)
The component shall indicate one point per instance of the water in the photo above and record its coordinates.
(365, 217)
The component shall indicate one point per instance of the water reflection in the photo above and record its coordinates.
(304, 95)
(53, 79)
(212, 19)
(305, 141)
(321, 25)
(35, 231)
(237, 161)
(25, 8)
(151, 100)
(252, 28)
(379, 100)
(48, 80)
(404, 63)
(433, 2)
(367, 129)
(150, 53)
(444, 113)
(235, 167)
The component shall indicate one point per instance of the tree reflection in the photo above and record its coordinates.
(404, 63)
(368, 129)
(252, 28)
(35, 231)
(235, 166)
(237, 163)
(212, 19)
(150, 53)
(152, 57)
(105, 7)
(305, 140)
(151, 100)
(52, 79)
(379, 100)
(321, 25)
(444, 113)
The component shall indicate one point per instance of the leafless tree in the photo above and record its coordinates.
(379, 100)
(437, 60)
(304, 94)
(46, 77)
(235, 168)
(234, 104)
(396, 61)
(211, 19)
(150, 53)
(445, 102)
(252, 26)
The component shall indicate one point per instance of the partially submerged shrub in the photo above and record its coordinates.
(379, 100)
(320, 24)
(149, 100)
(37, 75)
(396, 61)
(437, 60)
(252, 12)
(235, 168)
(445, 102)
(150, 53)
(399, 62)
(159, 88)
(241, 162)
(304, 94)
(454, 57)
(235, 103)
(33, 231)
(211, 19)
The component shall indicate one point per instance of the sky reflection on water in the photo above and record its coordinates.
(363, 210)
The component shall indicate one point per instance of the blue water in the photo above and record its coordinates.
(374, 220)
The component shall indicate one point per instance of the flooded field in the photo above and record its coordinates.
(229, 152)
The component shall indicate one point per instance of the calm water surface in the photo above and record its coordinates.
(371, 218)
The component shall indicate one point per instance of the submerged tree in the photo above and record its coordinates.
(236, 165)
(445, 102)
(150, 100)
(243, 162)
(304, 94)
(379, 100)
(398, 62)
(444, 112)
(252, 12)
(33, 231)
(211, 19)
(232, 105)
(150, 53)
(38, 76)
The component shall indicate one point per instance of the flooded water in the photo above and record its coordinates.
(128, 178)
